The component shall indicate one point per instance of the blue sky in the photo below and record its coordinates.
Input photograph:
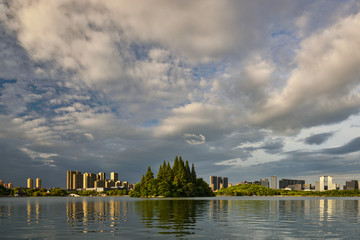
(244, 89)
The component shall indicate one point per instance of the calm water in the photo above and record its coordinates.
(197, 218)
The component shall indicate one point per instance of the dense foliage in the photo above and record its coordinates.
(5, 191)
(248, 190)
(43, 192)
(258, 190)
(178, 181)
(117, 192)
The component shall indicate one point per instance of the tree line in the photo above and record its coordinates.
(258, 190)
(176, 181)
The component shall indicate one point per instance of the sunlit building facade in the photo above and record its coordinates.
(30, 183)
(38, 183)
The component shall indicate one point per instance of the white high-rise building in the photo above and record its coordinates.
(273, 183)
(326, 182)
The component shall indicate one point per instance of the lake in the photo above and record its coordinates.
(191, 218)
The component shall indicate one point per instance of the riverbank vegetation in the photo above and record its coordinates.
(258, 190)
(115, 192)
(178, 181)
(5, 191)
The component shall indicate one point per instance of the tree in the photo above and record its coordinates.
(178, 181)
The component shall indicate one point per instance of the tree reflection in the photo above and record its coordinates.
(171, 216)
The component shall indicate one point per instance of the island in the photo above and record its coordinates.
(176, 181)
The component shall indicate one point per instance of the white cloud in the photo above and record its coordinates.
(322, 88)
(35, 155)
(89, 136)
(194, 139)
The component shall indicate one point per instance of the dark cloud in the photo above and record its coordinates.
(350, 147)
(318, 139)
(273, 147)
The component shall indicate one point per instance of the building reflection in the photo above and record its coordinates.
(95, 215)
(282, 210)
(219, 210)
(33, 210)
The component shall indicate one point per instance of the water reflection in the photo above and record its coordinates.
(225, 217)
(176, 217)
(96, 215)
(33, 212)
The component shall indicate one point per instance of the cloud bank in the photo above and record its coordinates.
(239, 88)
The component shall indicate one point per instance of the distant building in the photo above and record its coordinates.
(273, 183)
(284, 183)
(9, 185)
(351, 185)
(296, 187)
(74, 180)
(114, 176)
(326, 183)
(307, 187)
(118, 184)
(264, 182)
(30, 183)
(38, 183)
(101, 176)
(213, 183)
(243, 182)
(109, 183)
(225, 182)
(1, 182)
(89, 180)
(217, 183)
(99, 183)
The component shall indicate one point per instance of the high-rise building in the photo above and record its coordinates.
(109, 183)
(99, 183)
(1, 182)
(326, 183)
(114, 176)
(77, 180)
(89, 180)
(225, 182)
(101, 176)
(284, 183)
(30, 183)
(213, 183)
(74, 180)
(38, 183)
(264, 182)
(273, 183)
(217, 183)
(351, 185)
(69, 180)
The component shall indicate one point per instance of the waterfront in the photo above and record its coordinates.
(219, 217)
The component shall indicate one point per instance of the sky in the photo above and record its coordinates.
(243, 89)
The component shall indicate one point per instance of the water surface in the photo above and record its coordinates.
(197, 218)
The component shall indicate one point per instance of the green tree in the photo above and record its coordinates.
(178, 181)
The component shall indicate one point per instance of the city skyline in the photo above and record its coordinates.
(244, 89)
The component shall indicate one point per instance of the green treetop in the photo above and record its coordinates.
(178, 181)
